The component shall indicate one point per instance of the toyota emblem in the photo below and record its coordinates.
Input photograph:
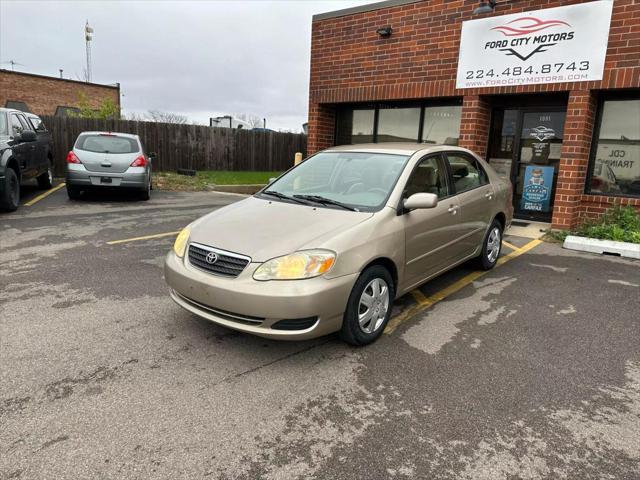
(212, 258)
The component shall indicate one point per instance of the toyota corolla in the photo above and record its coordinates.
(330, 244)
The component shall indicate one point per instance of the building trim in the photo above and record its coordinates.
(47, 77)
(362, 8)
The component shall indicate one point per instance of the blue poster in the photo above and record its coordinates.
(538, 183)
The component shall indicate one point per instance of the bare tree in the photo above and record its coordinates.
(165, 117)
(254, 120)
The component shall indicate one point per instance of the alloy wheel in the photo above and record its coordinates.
(373, 306)
(493, 244)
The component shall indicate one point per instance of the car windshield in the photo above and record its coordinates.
(107, 143)
(358, 180)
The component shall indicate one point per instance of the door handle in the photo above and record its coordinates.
(489, 195)
(453, 209)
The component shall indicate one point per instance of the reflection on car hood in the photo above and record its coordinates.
(263, 229)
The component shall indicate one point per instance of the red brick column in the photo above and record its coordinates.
(474, 127)
(574, 158)
(322, 124)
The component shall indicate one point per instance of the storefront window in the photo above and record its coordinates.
(398, 124)
(379, 123)
(615, 168)
(355, 126)
(442, 125)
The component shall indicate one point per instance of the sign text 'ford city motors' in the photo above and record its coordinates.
(563, 44)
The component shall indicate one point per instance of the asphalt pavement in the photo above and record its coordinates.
(529, 371)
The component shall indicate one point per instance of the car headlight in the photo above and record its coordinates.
(180, 244)
(296, 266)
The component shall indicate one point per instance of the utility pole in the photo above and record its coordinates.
(88, 36)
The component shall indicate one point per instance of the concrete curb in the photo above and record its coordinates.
(592, 245)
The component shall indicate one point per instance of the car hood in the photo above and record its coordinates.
(263, 229)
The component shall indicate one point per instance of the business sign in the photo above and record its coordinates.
(536, 193)
(563, 44)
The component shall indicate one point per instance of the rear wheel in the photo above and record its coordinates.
(146, 193)
(491, 247)
(369, 307)
(10, 198)
(73, 192)
(45, 181)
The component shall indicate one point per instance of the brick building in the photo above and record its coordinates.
(574, 117)
(44, 95)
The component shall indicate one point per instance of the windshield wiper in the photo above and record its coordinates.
(326, 201)
(282, 196)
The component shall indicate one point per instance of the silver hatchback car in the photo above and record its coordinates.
(332, 242)
(108, 160)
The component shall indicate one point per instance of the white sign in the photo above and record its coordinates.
(563, 44)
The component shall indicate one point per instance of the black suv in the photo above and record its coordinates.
(26, 151)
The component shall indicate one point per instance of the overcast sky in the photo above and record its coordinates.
(197, 58)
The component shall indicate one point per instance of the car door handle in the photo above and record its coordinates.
(489, 195)
(453, 209)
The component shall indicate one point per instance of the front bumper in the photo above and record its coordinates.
(134, 177)
(254, 307)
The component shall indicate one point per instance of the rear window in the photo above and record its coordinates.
(107, 144)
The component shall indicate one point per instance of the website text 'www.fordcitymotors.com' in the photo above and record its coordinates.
(528, 80)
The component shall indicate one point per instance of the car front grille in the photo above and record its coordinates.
(217, 262)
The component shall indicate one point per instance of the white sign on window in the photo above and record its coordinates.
(563, 44)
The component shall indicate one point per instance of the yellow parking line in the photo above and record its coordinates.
(419, 297)
(44, 195)
(510, 245)
(425, 302)
(146, 237)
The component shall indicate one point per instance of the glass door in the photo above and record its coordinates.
(536, 164)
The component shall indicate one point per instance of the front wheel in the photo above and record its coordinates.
(369, 307)
(45, 181)
(491, 247)
(10, 198)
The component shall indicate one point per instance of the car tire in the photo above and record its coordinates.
(45, 181)
(11, 194)
(73, 192)
(491, 247)
(370, 302)
(146, 193)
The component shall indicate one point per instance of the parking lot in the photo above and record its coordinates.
(531, 370)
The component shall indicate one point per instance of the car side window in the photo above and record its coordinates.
(16, 126)
(25, 124)
(466, 172)
(429, 176)
(37, 124)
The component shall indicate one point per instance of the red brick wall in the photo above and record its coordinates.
(44, 94)
(351, 63)
(475, 124)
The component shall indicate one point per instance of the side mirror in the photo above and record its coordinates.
(272, 179)
(28, 136)
(420, 200)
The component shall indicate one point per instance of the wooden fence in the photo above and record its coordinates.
(187, 146)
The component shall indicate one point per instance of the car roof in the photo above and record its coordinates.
(395, 148)
(13, 110)
(119, 134)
